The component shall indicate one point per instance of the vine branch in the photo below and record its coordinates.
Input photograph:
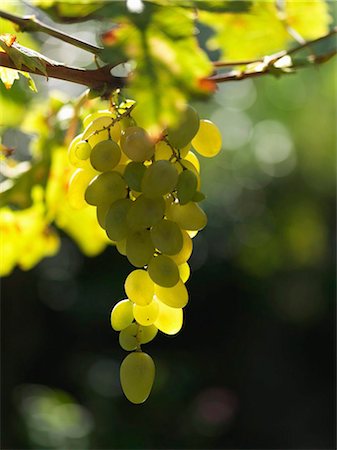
(94, 79)
(31, 23)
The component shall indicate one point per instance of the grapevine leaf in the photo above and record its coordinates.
(264, 30)
(169, 64)
(209, 5)
(70, 11)
(23, 56)
(8, 76)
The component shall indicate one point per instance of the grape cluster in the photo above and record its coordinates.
(147, 194)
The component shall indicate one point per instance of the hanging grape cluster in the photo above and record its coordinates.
(147, 194)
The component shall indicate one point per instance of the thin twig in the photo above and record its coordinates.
(31, 23)
(277, 55)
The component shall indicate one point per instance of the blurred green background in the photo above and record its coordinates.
(253, 366)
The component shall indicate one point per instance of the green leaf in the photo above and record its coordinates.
(69, 11)
(208, 5)
(8, 76)
(264, 29)
(169, 64)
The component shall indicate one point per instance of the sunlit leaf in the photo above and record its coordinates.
(265, 29)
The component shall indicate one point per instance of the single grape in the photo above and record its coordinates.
(72, 156)
(121, 246)
(163, 271)
(169, 320)
(77, 186)
(122, 315)
(163, 151)
(188, 217)
(145, 212)
(105, 189)
(192, 158)
(184, 272)
(127, 122)
(159, 179)
(101, 212)
(186, 186)
(133, 175)
(181, 134)
(139, 287)
(136, 144)
(208, 140)
(139, 247)
(128, 337)
(146, 315)
(184, 151)
(137, 375)
(115, 220)
(147, 333)
(105, 155)
(167, 237)
(82, 150)
(184, 254)
(176, 296)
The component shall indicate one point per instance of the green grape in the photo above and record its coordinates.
(192, 158)
(127, 122)
(181, 135)
(163, 151)
(176, 296)
(146, 315)
(159, 179)
(105, 189)
(101, 129)
(184, 151)
(101, 212)
(167, 237)
(147, 333)
(78, 183)
(169, 320)
(163, 271)
(105, 155)
(185, 164)
(188, 217)
(122, 315)
(184, 272)
(100, 113)
(133, 175)
(145, 212)
(82, 150)
(121, 246)
(186, 186)
(139, 287)
(208, 140)
(136, 144)
(115, 220)
(72, 156)
(139, 247)
(184, 254)
(137, 375)
(198, 197)
(128, 337)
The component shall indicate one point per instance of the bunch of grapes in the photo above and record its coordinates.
(147, 194)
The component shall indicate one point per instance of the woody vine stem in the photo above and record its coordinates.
(102, 79)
